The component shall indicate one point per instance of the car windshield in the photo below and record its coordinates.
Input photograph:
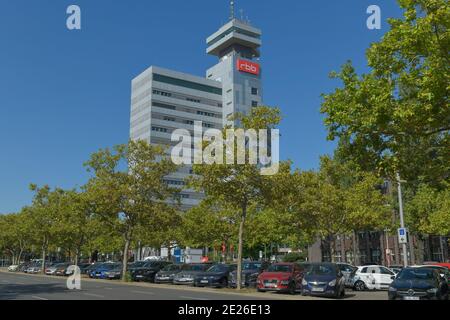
(321, 269)
(280, 268)
(416, 274)
(111, 266)
(172, 267)
(218, 268)
(196, 267)
(251, 266)
(137, 264)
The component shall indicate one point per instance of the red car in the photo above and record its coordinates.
(281, 277)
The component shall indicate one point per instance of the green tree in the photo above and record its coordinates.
(428, 212)
(15, 235)
(396, 118)
(128, 190)
(46, 215)
(239, 186)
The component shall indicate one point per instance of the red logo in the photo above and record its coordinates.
(248, 66)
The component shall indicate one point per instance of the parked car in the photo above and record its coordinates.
(101, 271)
(216, 276)
(347, 270)
(443, 264)
(87, 270)
(57, 269)
(168, 273)
(114, 273)
(421, 283)
(443, 271)
(187, 275)
(82, 267)
(34, 269)
(13, 268)
(250, 272)
(281, 277)
(371, 277)
(324, 279)
(148, 270)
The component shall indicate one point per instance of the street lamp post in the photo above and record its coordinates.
(402, 220)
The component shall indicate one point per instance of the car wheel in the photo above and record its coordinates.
(224, 283)
(360, 286)
(292, 288)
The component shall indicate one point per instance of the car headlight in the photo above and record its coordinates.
(392, 289)
(304, 282)
(432, 290)
(284, 282)
(107, 273)
(332, 283)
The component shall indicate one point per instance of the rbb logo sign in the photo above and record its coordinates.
(248, 66)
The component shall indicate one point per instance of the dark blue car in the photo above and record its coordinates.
(101, 272)
(323, 279)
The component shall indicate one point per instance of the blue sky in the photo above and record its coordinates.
(65, 94)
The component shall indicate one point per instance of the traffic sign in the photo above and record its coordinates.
(402, 235)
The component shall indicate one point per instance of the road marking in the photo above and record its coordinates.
(193, 298)
(94, 295)
(38, 298)
(108, 288)
(5, 281)
(143, 292)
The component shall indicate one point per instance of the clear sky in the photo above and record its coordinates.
(65, 94)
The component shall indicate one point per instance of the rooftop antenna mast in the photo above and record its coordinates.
(232, 16)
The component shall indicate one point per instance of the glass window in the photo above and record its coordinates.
(386, 271)
(186, 84)
(255, 91)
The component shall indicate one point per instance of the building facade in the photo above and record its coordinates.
(164, 100)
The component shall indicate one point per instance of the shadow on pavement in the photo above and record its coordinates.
(15, 291)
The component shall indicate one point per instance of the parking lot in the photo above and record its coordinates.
(20, 286)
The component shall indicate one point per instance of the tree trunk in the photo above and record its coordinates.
(43, 259)
(332, 249)
(125, 257)
(241, 240)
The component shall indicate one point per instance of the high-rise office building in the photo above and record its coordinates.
(163, 100)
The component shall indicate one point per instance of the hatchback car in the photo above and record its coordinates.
(148, 270)
(371, 278)
(324, 279)
(101, 272)
(281, 277)
(250, 272)
(187, 275)
(169, 272)
(217, 276)
(422, 283)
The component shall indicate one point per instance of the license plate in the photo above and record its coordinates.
(139, 276)
(271, 285)
(411, 298)
(203, 281)
(318, 289)
(163, 278)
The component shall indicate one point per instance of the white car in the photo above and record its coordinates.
(371, 278)
(13, 268)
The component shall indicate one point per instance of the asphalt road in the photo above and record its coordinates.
(20, 286)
